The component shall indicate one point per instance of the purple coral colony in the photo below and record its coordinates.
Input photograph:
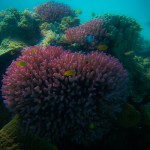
(68, 82)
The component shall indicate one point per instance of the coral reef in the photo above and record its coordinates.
(54, 11)
(49, 38)
(53, 32)
(8, 23)
(13, 137)
(55, 27)
(138, 69)
(123, 31)
(144, 62)
(12, 46)
(10, 49)
(23, 25)
(9, 136)
(80, 106)
(79, 33)
(143, 47)
(124, 36)
(28, 27)
(68, 95)
(68, 22)
(138, 75)
(129, 117)
(45, 26)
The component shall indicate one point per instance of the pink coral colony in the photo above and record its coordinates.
(54, 105)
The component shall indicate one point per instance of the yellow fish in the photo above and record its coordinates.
(33, 50)
(93, 14)
(21, 63)
(69, 73)
(78, 11)
(102, 47)
(128, 53)
(92, 126)
(12, 52)
(36, 9)
(147, 75)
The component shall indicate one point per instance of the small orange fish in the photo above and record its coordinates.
(102, 47)
(21, 63)
(69, 73)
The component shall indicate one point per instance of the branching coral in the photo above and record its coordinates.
(23, 25)
(124, 33)
(143, 47)
(45, 26)
(68, 22)
(81, 106)
(49, 38)
(54, 11)
(79, 33)
(28, 27)
(138, 76)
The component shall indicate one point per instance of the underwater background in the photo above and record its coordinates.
(75, 74)
(138, 9)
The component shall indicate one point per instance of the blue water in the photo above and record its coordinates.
(138, 133)
(138, 9)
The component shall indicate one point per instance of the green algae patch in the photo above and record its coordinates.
(9, 135)
(12, 46)
(129, 117)
(13, 137)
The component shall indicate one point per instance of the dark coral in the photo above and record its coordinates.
(54, 11)
(22, 25)
(54, 106)
(15, 137)
(124, 33)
